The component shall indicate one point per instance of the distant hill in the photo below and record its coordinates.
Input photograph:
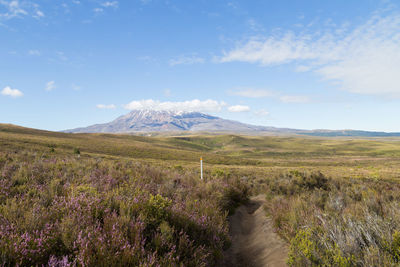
(145, 121)
(173, 121)
(355, 133)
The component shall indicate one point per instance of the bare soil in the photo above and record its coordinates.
(254, 242)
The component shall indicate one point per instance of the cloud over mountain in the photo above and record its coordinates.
(238, 108)
(8, 91)
(208, 105)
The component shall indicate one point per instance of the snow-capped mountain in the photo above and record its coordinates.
(156, 121)
(177, 121)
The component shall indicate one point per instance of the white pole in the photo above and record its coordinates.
(201, 168)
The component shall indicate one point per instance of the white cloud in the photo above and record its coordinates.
(19, 9)
(261, 112)
(102, 106)
(75, 87)
(271, 50)
(38, 14)
(254, 93)
(186, 60)
(238, 108)
(50, 86)
(7, 91)
(260, 93)
(363, 60)
(66, 8)
(303, 68)
(98, 10)
(254, 25)
(167, 92)
(34, 52)
(294, 99)
(147, 59)
(61, 55)
(113, 4)
(233, 5)
(13, 9)
(191, 105)
(104, 5)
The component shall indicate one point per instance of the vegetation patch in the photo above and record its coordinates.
(336, 222)
(65, 210)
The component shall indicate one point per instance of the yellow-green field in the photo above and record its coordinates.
(337, 157)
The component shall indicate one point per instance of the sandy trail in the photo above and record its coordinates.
(254, 242)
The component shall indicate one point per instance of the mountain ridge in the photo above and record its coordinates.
(164, 121)
(143, 121)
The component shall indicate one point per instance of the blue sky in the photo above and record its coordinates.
(289, 63)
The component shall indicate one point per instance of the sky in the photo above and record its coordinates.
(299, 64)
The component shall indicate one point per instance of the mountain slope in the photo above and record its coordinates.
(176, 121)
(163, 121)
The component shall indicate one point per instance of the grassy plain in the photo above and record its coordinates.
(335, 157)
(320, 215)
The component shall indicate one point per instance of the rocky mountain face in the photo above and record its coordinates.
(163, 121)
(139, 121)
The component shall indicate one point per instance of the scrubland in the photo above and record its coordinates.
(336, 222)
(65, 210)
(122, 200)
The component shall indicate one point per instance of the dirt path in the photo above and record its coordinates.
(254, 243)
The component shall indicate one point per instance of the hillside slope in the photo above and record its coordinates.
(173, 121)
(167, 122)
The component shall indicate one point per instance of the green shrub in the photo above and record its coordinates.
(156, 210)
(178, 167)
(303, 250)
(394, 248)
(219, 173)
(233, 196)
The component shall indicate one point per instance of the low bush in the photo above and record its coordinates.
(64, 211)
(336, 222)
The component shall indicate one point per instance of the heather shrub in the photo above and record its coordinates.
(65, 211)
(233, 196)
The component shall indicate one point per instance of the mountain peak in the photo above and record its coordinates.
(155, 111)
(148, 120)
(158, 115)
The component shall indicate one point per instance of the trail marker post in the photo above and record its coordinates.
(201, 168)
